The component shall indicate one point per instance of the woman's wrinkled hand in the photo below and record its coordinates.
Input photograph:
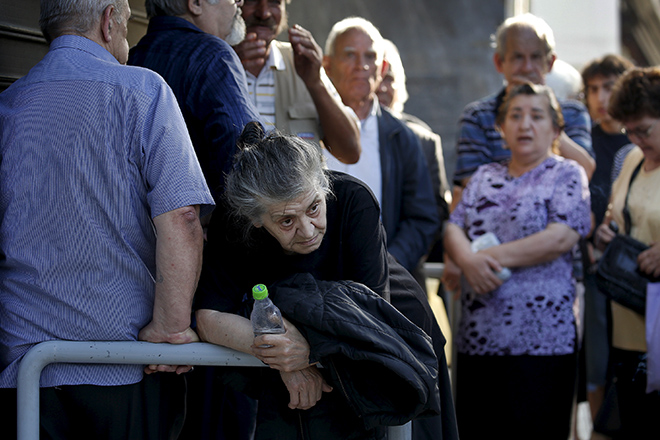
(306, 387)
(285, 352)
(480, 271)
(451, 276)
(604, 234)
(649, 260)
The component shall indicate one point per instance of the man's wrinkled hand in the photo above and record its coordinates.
(307, 55)
(252, 52)
(152, 333)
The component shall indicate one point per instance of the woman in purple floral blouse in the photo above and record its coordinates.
(517, 361)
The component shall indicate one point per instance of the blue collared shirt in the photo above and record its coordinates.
(479, 142)
(209, 82)
(90, 152)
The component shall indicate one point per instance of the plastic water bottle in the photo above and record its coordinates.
(266, 318)
(485, 241)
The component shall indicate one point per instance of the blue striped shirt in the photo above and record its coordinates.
(479, 142)
(90, 152)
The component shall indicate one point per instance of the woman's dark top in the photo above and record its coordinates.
(353, 248)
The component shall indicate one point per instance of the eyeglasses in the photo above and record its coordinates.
(640, 133)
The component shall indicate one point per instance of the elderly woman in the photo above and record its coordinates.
(516, 364)
(635, 102)
(292, 216)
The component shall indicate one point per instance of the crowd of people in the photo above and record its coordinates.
(172, 176)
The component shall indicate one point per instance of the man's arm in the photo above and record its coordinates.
(341, 135)
(178, 263)
(570, 149)
(575, 141)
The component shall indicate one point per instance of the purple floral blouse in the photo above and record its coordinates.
(532, 312)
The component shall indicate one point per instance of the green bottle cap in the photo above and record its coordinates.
(259, 291)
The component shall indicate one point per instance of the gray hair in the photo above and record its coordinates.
(393, 59)
(345, 25)
(75, 16)
(538, 25)
(271, 170)
(172, 8)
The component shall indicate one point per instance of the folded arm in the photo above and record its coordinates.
(544, 246)
(478, 268)
(288, 353)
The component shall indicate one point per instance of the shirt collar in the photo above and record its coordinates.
(84, 44)
(275, 59)
(375, 106)
(168, 23)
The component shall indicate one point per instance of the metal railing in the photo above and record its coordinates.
(92, 352)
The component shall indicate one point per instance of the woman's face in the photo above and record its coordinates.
(646, 135)
(298, 225)
(528, 128)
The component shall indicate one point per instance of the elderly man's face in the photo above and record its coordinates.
(525, 58)
(354, 68)
(387, 89)
(266, 18)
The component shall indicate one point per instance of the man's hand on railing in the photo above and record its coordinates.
(151, 333)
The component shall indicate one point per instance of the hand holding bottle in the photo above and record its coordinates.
(277, 342)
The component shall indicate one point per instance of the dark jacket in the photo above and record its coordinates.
(412, 301)
(409, 209)
(382, 364)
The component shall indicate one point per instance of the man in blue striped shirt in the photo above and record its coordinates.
(100, 234)
(524, 53)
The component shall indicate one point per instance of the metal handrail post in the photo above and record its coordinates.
(122, 352)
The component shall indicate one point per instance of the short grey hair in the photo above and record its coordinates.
(347, 24)
(538, 25)
(172, 8)
(75, 16)
(271, 170)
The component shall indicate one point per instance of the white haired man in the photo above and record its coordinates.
(391, 162)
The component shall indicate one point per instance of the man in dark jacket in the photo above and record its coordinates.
(391, 163)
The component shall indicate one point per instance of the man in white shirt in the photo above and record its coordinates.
(392, 162)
